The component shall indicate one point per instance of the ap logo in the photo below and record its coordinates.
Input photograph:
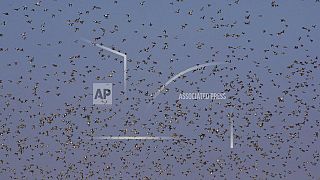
(102, 93)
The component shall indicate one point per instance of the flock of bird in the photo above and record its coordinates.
(270, 76)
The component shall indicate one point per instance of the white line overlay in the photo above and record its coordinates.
(231, 133)
(156, 94)
(184, 72)
(133, 138)
(117, 53)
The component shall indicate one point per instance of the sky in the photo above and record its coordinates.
(262, 55)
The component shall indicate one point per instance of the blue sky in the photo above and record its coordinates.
(270, 76)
